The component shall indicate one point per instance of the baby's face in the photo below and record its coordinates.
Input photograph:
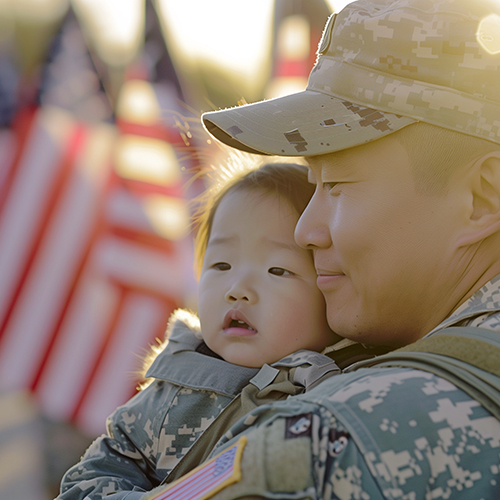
(258, 299)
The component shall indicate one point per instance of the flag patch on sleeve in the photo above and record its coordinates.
(207, 479)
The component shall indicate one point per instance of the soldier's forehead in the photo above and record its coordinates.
(339, 162)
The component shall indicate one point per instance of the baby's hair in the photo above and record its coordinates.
(288, 180)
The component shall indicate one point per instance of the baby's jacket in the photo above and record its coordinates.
(188, 389)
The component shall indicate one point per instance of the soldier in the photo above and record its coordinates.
(259, 306)
(400, 125)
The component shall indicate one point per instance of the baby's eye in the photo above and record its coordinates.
(279, 271)
(221, 266)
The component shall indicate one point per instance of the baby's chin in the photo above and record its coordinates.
(245, 361)
(239, 355)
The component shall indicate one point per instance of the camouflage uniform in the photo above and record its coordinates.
(358, 436)
(153, 431)
(382, 65)
(381, 432)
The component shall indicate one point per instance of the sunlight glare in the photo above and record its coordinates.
(115, 27)
(168, 216)
(293, 46)
(488, 34)
(231, 34)
(147, 160)
(294, 38)
(283, 86)
(137, 103)
(337, 5)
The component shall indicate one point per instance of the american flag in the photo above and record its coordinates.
(207, 479)
(87, 281)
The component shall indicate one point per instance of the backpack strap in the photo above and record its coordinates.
(468, 357)
(477, 346)
(270, 384)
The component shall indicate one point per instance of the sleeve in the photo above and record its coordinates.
(291, 452)
(373, 434)
(307, 454)
(122, 464)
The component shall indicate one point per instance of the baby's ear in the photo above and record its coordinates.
(484, 210)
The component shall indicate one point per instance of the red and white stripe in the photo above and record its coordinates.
(204, 480)
(86, 283)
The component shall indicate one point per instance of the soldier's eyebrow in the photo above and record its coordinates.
(338, 164)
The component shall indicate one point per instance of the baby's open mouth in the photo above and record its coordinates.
(236, 323)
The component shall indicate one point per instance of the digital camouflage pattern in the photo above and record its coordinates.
(382, 65)
(440, 70)
(352, 438)
(150, 434)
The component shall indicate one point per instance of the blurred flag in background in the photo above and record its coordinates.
(100, 154)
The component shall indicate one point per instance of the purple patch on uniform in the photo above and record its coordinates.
(298, 426)
(337, 441)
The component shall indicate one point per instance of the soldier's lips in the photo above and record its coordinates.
(327, 281)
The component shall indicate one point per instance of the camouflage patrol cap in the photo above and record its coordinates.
(382, 65)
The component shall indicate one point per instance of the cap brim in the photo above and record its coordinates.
(307, 123)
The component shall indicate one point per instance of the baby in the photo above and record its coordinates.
(262, 325)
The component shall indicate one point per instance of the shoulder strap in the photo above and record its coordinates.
(292, 375)
(468, 357)
(270, 384)
(476, 346)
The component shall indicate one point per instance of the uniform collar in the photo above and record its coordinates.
(485, 300)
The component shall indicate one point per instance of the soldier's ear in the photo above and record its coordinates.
(484, 201)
